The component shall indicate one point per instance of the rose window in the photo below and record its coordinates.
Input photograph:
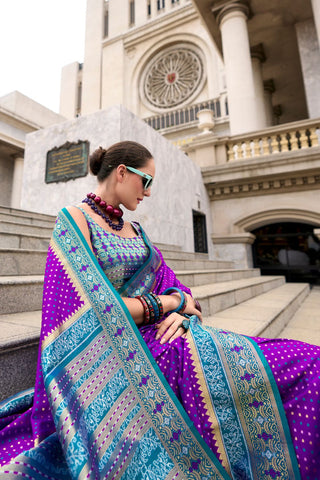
(172, 77)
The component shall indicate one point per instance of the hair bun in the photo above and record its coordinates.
(96, 159)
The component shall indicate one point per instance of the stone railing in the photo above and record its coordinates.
(188, 114)
(282, 138)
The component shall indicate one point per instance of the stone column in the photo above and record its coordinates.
(316, 15)
(17, 181)
(232, 19)
(258, 57)
(269, 89)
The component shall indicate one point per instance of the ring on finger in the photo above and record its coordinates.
(185, 324)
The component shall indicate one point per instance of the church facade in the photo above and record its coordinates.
(235, 85)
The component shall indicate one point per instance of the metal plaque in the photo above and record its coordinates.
(67, 162)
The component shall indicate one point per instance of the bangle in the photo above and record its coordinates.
(197, 305)
(183, 301)
(152, 312)
(146, 310)
(152, 307)
(160, 306)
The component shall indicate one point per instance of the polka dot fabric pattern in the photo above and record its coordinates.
(296, 369)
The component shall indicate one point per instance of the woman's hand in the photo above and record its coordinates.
(191, 307)
(170, 328)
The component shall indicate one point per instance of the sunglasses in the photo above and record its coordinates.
(146, 179)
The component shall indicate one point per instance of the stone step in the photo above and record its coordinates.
(184, 263)
(25, 217)
(21, 293)
(21, 228)
(24, 241)
(27, 256)
(19, 340)
(163, 247)
(17, 261)
(193, 278)
(265, 315)
(216, 297)
(21, 220)
(304, 325)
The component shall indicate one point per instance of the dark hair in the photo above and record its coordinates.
(103, 161)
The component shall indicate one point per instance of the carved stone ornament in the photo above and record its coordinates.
(172, 77)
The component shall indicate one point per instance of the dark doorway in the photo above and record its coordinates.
(200, 232)
(289, 249)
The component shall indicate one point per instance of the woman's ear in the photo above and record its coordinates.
(121, 172)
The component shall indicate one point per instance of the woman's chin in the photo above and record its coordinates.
(131, 208)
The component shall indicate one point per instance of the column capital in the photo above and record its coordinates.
(223, 7)
(277, 110)
(269, 86)
(257, 51)
(17, 155)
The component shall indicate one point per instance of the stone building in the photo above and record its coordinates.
(19, 115)
(251, 68)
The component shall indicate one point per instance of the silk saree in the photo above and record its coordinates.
(112, 402)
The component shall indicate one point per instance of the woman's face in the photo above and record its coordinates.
(133, 192)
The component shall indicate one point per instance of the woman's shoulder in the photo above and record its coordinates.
(77, 215)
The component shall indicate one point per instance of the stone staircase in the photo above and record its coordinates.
(238, 300)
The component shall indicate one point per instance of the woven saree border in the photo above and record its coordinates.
(251, 386)
(130, 288)
(177, 434)
(281, 412)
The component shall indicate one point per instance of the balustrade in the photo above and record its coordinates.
(184, 116)
(277, 141)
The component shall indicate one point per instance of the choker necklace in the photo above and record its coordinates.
(93, 200)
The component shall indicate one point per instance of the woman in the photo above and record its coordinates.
(129, 384)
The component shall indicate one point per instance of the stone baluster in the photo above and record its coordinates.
(314, 137)
(230, 152)
(239, 151)
(294, 140)
(247, 147)
(284, 143)
(304, 139)
(256, 147)
(275, 144)
(265, 146)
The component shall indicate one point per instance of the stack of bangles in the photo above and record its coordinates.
(153, 309)
(152, 306)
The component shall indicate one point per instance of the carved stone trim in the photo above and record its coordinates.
(259, 218)
(264, 186)
(248, 238)
(221, 9)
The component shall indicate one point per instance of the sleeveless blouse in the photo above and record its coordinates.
(119, 257)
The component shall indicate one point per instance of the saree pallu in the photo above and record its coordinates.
(104, 409)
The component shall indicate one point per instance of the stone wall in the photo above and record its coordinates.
(178, 187)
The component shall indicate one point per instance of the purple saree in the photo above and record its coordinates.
(103, 409)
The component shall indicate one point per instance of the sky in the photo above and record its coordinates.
(37, 38)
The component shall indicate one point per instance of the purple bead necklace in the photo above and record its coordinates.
(105, 211)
